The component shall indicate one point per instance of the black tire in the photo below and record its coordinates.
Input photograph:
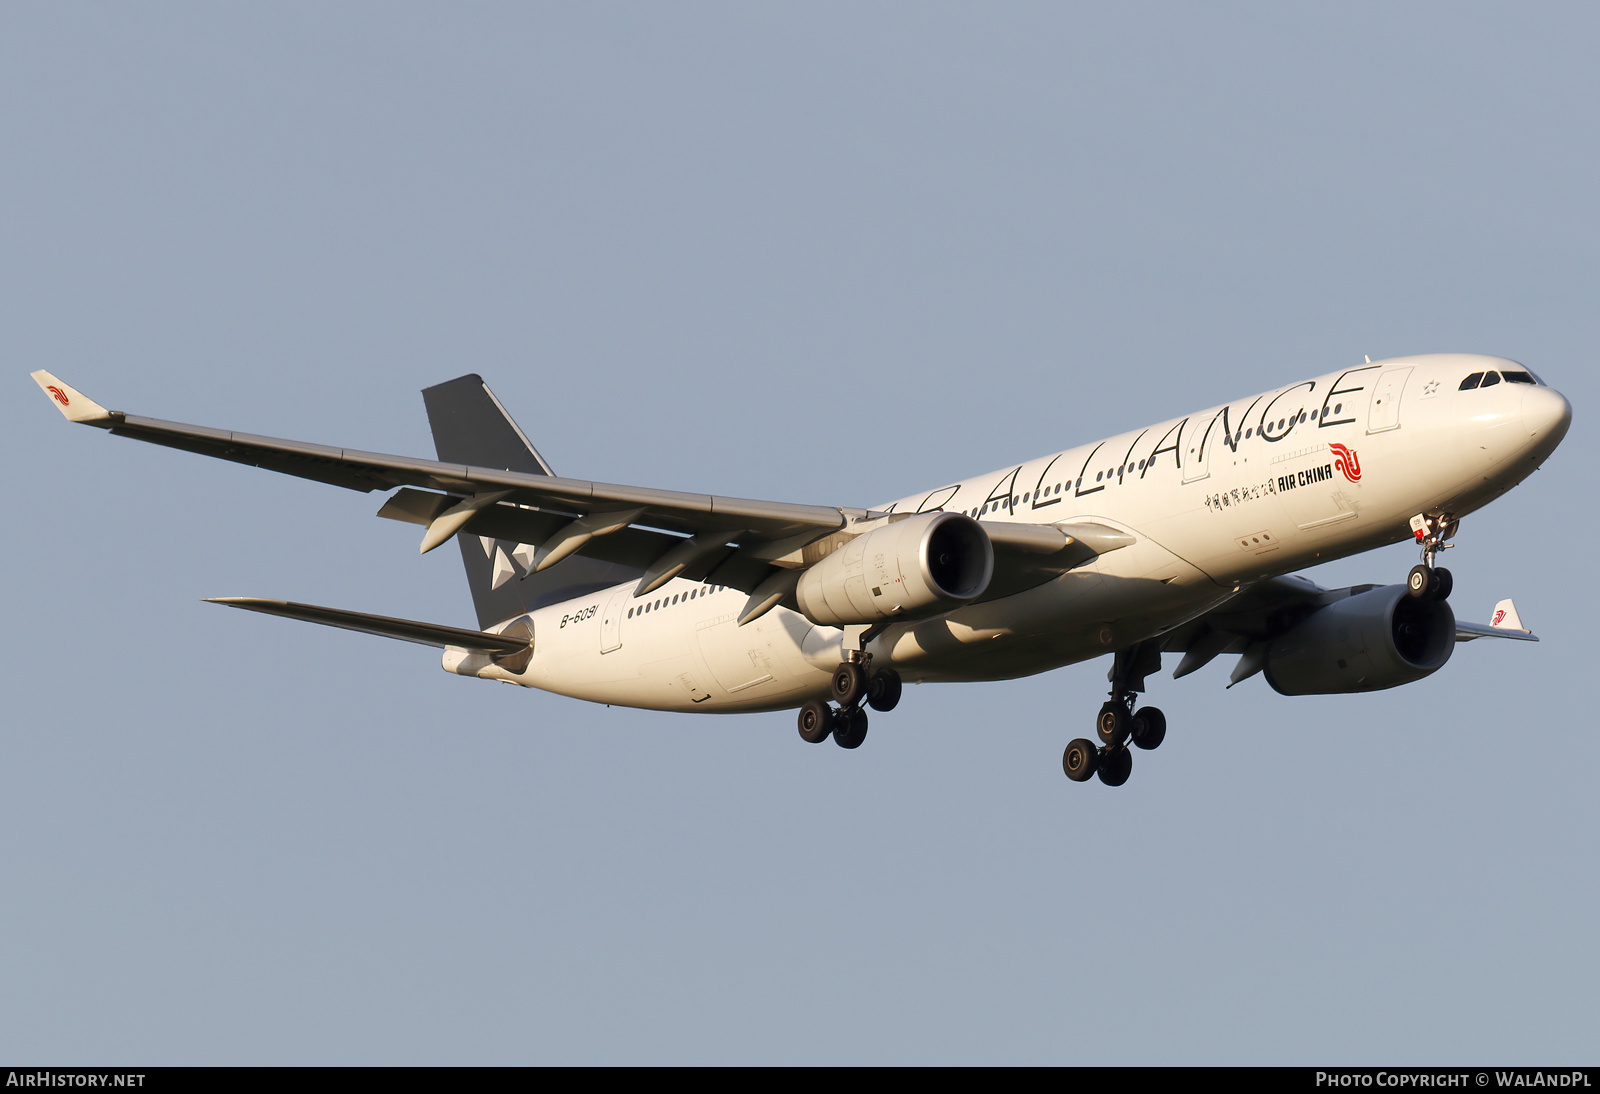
(1115, 766)
(849, 683)
(850, 728)
(883, 690)
(1080, 760)
(1111, 725)
(1149, 727)
(816, 722)
(1419, 581)
(1445, 583)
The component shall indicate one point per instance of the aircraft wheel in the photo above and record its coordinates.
(883, 690)
(1080, 760)
(1115, 766)
(816, 722)
(1444, 584)
(1111, 726)
(849, 682)
(850, 728)
(1419, 581)
(1149, 727)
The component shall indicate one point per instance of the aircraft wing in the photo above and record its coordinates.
(367, 471)
(1244, 623)
(1504, 622)
(747, 544)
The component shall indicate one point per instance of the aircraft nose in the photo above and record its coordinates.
(1546, 414)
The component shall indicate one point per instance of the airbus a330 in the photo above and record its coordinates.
(1181, 538)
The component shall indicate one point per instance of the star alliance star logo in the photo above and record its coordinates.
(1430, 389)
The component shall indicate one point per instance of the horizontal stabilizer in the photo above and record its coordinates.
(407, 630)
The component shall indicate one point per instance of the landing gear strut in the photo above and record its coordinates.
(1433, 531)
(1118, 724)
(854, 683)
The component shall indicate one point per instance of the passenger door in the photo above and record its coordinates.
(611, 619)
(1385, 412)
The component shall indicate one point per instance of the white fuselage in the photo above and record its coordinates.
(1253, 489)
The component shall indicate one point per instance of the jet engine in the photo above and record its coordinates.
(922, 565)
(1378, 639)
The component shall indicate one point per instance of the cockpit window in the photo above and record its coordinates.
(1471, 381)
(1490, 379)
(1518, 378)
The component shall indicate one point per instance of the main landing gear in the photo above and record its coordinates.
(853, 684)
(1427, 581)
(1118, 724)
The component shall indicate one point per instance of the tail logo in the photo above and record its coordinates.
(1345, 460)
(1499, 616)
(58, 395)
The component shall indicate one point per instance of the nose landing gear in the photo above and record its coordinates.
(1433, 531)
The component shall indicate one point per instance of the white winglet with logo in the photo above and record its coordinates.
(1503, 623)
(77, 406)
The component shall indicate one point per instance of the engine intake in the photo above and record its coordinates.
(922, 565)
(1378, 639)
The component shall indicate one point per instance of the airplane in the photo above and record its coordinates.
(1181, 537)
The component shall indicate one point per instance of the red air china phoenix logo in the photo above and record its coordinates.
(1499, 617)
(58, 395)
(1345, 460)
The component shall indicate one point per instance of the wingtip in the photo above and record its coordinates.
(74, 405)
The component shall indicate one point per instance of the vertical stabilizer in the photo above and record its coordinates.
(471, 427)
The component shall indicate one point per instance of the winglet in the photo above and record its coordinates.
(1505, 618)
(76, 406)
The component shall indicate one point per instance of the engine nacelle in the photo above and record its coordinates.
(1378, 639)
(925, 564)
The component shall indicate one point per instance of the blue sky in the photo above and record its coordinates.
(827, 253)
